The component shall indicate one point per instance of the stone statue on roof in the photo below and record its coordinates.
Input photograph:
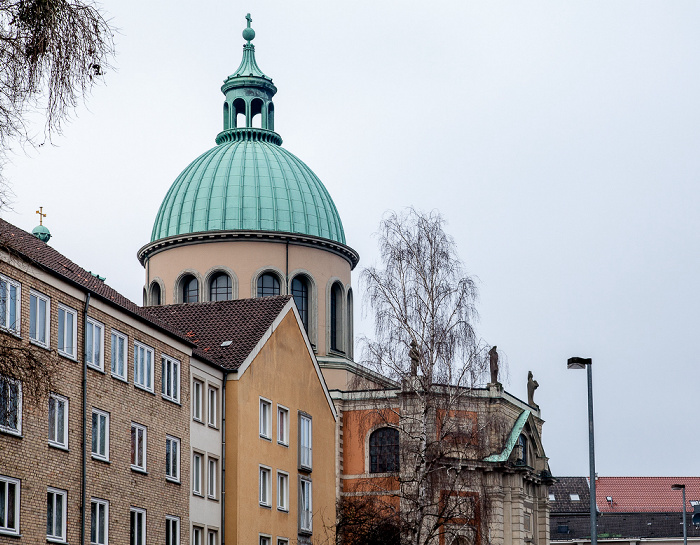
(532, 385)
(493, 364)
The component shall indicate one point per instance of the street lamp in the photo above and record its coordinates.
(685, 529)
(580, 363)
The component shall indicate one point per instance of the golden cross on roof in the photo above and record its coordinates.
(249, 19)
(41, 215)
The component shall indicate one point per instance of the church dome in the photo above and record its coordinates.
(248, 182)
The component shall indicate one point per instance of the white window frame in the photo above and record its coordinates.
(172, 525)
(197, 534)
(212, 406)
(33, 319)
(197, 397)
(142, 378)
(265, 486)
(97, 503)
(282, 425)
(197, 467)
(305, 442)
(65, 311)
(172, 458)
(140, 513)
(282, 491)
(5, 293)
(5, 426)
(266, 419)
(98, 345)
(117, 336)
(170, 367)
(264, 539)
(5, 483)
(282, 541)
(96, 430)
(135, 429)
(212, 478)
(54, 536)
(60, 442)
(305, 505)
(212, 537)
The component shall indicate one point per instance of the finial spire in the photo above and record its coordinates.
(41, 215)
(248, 32)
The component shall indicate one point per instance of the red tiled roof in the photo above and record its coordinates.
(208, 325)
(645, 494)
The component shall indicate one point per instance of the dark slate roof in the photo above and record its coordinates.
(209, 324)
(568, 527)
(29, 248)
(563, 489)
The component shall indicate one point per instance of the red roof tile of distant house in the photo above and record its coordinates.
(645, 494)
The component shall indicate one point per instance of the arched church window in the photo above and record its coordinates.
(155, 294)
(190, 289)
(220, 287)
(268, 284)
(300, 292)
(384, 450)
(336, 319)
(522, 450)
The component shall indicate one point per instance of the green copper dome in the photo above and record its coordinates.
(248, 182)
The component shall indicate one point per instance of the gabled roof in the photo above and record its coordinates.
(645, 494)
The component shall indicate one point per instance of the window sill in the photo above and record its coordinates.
(198, 420)
(101, 459)
(305, 469)
(172, 480)
(283, 444)
(213, 498)
(55, 540)
(10, 431)
(213, 426)
(58, 446)
(7, 533)
(96, 368)
(120, 378)
(171, 400)
(45, 346)
(137, 469)
(143, 388)
(265, 506)
(198, 494)
(266, 438)
(66, 355)
(283, 510)
(305, 532)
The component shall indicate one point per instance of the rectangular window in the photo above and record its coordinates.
(213, 404)
(94, 344)
(305, 442)
(58, 421)
(197, 535)
(265, 540)
(172, 531)
(67, 331)
(143, 366)
(197, 388)
(265, 418)
(211, 484)
(10, 405)
(10, 297)
(172, 458)
(282, 425)
(139, 440)
(39, 318)
(9, 505)
(282, 541)
(197, 473)
(138, 527)
(212, 537)
(100, 434)
(282, 491)
(119, 355)
(56, 514)
(265, 486)
(170, 378)
(305, 507)
(99, 522)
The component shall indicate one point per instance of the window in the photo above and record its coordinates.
(268, 284)
(305, 507)
(552, 497)
(211, 485)
(10, 297)
(99, 522)
(384, 450)
(100, 434)
(282, 541)
(282, 491)
(10, 405)
(94, 344)
(522, 450)
(300, 292)
(212, 537)
(265, 486)
(264, 540)
(197, 535)
(220, 287)
(138, 527)
(118, 355)
(9, 505)
(213, 403)
(155, 293)
(67, 331)
(56, 514)
(170, 378)
(265, 418)
(172, 458)
(39, 314)
(282, 425)
(143, 366)
(574, 497)
(190, 289)
(172, 531)
(197, 474)
(336, 306)
(58, 421)
(197, 388)
(563, 529)
(305, 442)
(138, 446)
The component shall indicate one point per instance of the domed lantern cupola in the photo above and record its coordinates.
(248, 94)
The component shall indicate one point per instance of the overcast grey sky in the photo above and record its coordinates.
(559, 140)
